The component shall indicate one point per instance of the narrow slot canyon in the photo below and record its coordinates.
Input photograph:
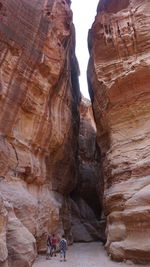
(88, 223)
(68, 165)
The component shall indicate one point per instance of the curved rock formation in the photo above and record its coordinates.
(119, 79)
(39, 96)
(86, 199)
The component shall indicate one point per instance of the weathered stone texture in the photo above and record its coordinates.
(86, 202)
(39, 96)
(119, 81)
(3, 223)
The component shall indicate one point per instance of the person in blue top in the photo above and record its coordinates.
(63, 248)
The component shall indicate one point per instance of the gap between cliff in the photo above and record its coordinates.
(86, 200)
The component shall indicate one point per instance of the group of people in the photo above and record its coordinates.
(54, 246)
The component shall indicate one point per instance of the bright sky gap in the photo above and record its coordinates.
(84, 12)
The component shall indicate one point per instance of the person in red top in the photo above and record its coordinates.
(53, 245)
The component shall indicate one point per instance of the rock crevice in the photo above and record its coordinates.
(86, 201)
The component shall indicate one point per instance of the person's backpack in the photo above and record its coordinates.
(63, 244)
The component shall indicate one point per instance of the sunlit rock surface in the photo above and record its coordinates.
(88, 223)
(119, 81)
(39, 119)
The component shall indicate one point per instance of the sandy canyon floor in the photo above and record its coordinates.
(82, 255)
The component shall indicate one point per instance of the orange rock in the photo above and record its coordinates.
(39, 120)
(119, 79)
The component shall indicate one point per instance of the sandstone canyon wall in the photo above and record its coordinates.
(39, 121)
(119, 84)
(88, 223)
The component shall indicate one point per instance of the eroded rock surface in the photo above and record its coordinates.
(39, 96)
(119, 80)
(3, 223)
(86, 199)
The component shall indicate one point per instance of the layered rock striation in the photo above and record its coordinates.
(87, 199)
(39, 121)
(119, 80)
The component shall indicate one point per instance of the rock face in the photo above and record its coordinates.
(119, 80)
(3, 223)
(86, 199)
(39, 97)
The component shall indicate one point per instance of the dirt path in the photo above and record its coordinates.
(82, 255)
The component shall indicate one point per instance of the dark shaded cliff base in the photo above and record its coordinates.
(88, 223)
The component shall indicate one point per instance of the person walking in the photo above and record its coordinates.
(63, 248)
(48, 252)
(53, 245)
